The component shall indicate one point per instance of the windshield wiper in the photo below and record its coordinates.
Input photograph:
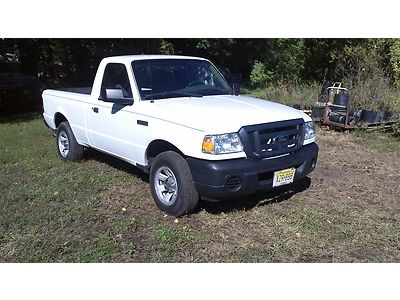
(171, 94)
(209, 91)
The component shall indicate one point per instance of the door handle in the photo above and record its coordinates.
(95, 109)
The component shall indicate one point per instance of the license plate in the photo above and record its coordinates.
(283, 177)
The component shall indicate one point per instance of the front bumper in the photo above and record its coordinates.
(238, 177)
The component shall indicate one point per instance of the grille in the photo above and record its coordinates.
(232, 183)
(272, 139)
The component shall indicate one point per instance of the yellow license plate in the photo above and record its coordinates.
(283, 177)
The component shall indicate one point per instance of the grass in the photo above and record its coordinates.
(101, 210)
(370, 95)
(289, 94)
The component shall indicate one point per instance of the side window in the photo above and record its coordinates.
(116, 77)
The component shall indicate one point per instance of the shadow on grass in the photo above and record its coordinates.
(260, 199)
(214, 207)
(91, 154)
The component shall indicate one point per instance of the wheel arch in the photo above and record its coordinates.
(158, 146)
(59, 118)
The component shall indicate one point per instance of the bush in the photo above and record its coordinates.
(361, 66)
(374, 92)
(395, 60)
(281, 61)
(259, 74)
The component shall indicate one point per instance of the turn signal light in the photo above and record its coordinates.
(208, 145)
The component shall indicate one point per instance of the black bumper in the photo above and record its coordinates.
(237, 177)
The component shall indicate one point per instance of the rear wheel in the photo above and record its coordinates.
(67, 146)
(172, 185)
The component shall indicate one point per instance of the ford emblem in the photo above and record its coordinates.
(280, 138)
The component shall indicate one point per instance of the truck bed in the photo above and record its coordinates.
(80, 90)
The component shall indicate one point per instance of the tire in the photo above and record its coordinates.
(318, 112)
(341, 99)
(172, 185)
(369, 116)
(67, 146)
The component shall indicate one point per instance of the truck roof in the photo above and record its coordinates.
(130, 58)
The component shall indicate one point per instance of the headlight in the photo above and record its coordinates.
(309, 130)
(222, 143)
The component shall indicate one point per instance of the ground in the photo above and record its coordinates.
(101, 210)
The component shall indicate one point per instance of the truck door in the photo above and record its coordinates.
(111, 126)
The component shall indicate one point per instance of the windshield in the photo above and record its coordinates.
(169, 78)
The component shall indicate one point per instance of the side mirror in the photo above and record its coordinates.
(236, 83)
(117, 96)
(112, 94)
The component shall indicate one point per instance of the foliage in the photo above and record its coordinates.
(373, 93)
(356, 59)
(370, 68)
(259, 74)
(395, 60)
(287, 59)
(283, 61)
(166, 48)
(364, 66)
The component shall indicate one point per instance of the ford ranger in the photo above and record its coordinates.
(177, 118)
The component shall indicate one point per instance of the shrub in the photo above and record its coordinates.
(374, 92)
(395, 60)
(259, 74)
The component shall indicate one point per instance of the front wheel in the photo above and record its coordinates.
(172, 185)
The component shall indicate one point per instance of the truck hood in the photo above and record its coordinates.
(222, 113)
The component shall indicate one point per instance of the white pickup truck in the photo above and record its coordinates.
(176, 118)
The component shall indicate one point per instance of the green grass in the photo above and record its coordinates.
(42, 197)
(289, 94)
(74, 212)
(177, 240)
(101, 210)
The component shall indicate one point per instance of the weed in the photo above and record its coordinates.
(289, 94)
